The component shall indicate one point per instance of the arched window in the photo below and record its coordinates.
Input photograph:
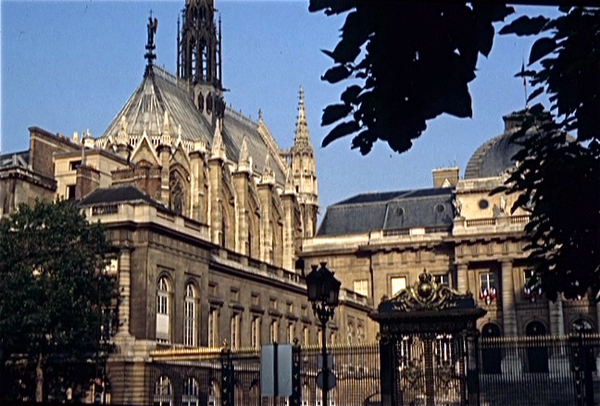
(163, 325)
(191, 392)
(582, 326)
(189, 316)
(163, 392)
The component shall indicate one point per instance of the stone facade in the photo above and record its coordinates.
(477, 247)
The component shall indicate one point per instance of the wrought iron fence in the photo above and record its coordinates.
(223, 378)
(539, 370)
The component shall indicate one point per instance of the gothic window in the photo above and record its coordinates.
(201, 102)
(163, 317)
(209, 103)
(191, 392)
(163, 392)
(177, 193)
(189, 316)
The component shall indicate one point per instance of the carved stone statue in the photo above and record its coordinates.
(152, 26)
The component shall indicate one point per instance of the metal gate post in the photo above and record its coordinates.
(576, 343)
(587, 359)
(389, 372)
(227, 385)
(295, 399)
(471, 341)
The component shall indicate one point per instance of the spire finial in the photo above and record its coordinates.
(301, 127)
(152, 26)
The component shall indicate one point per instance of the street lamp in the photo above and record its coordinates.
(323, 291)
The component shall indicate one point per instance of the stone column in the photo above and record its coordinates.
(508, 299)
(557, 319)
(462, 277)
(511, 363)
(124, 291)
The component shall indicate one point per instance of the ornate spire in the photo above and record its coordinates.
(244, 161)
(150, 47)
(301, 127)
(218, 147)
(289, 182)
(122, 136)
(165, 136)
(199, 50)
(268, 175)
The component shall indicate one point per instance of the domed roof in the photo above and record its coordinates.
(495, 155)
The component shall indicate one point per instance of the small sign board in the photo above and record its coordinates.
(276, 370)
(331, 380)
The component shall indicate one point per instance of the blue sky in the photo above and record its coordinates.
(70, 66)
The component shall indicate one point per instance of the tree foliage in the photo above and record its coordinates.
(406, 63)
(558, 179)
(53, 291)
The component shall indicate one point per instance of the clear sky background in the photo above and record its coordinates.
(71, 66)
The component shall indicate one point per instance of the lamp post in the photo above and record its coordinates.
(323, 290)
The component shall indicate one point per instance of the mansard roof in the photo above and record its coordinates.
(117, 194)
(400, 210)
(161, 91)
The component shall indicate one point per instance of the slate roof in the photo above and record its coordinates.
(427, 208)
(492, 158)
(117, 194)
(15, 159)
(162, 91)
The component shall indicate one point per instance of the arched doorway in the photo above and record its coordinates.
(537, 356)
(491, 358)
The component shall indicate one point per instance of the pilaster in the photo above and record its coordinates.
(508, 298)
(462, 277)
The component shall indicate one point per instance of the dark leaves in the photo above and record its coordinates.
(339, 131)
(525, 26)
(333, 113)
(541, 48)
(417, 61)
(335, 74)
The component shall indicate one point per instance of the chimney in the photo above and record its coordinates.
(88, 179)
(445, 177)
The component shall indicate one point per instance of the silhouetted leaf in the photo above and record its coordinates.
(335, 74)
(329, 54)
(525, 26)
(535, 93)
(334, 112)
(345, 51)
(341, 130)
(350, 94)
(541, 48)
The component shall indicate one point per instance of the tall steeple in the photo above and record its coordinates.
(199, 58)
(199, 50)
(302, 160)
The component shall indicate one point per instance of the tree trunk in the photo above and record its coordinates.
(39, 380)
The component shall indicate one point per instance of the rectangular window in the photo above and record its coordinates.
(274, 331)
(442, 279)
(189, 323)
(291, 332)
(273, 303)
(235, 330)
(235, 295)
(306, 335)
(74, 165)
(71, 192)
(290, 307)
(398, 283)
(362, 287)
(255, 332)
(256, 299)
(488, 281)
(213, 327)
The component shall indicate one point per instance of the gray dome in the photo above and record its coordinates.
(495, 155)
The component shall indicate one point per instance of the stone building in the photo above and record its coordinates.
(380, 242)
(207, 210)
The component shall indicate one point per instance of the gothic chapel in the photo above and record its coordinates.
(207, 211)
